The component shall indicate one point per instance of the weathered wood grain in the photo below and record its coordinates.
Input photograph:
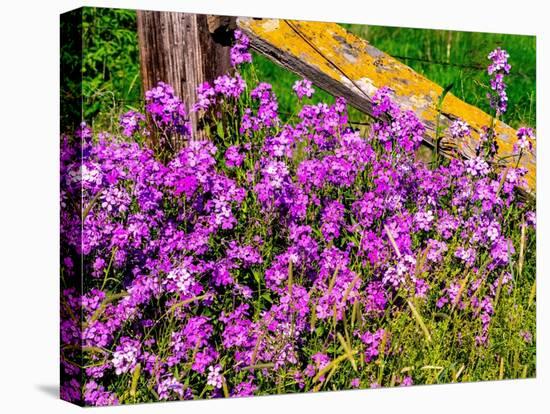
(346, 65)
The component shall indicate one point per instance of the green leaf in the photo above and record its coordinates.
(219, 130)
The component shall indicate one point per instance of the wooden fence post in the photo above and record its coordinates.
(183, 50)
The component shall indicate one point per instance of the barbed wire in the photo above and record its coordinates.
(473, 67)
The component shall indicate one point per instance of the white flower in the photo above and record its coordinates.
(215, 379)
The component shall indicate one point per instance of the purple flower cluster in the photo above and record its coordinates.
(167, 110)
(525, 139)
(233, 156)
(303, 88)
(169, 387)
(95, 394)
(459, 129)
(222, 88)
(398, 128)
(333, 217)
(266, 115)
(239, 51)
(131, 123)
(373, 343)
(498, 68)
(126, 355)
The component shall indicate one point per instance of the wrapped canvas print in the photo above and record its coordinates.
(254, 206)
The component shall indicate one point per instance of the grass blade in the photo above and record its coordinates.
(392, 241)
(420, 322)
(521, 249)
(348, 350)
(135, 379)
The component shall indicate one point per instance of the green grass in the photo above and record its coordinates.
(460, 58)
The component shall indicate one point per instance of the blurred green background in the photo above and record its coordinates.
(111, 81)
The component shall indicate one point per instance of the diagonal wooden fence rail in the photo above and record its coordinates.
(346, 65)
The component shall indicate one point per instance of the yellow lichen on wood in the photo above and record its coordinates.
(346, 65)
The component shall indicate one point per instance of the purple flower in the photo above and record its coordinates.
(436, 249)
(477, 166)
(230, 87)
(169, 386)
(372, 342)
(526, 336)
(396, 275)
(459, 129)
(267, 113)
(303, 88)
(203, 359)
(498, 68)
(421, 288)
(502, 250)
(525, 139)
(424, 219)
(194, 335)
(233, 157)
(167, 110)
(376, 298)
(239, 52)
(206, 97)
(531, 218)
(182, 281)
(95, 394)
(468, 256)
(244, 389)
(383, 103)
(126, 355)
(131, 122)
(499, 58)
(406, 382)
(247, 255)
(332, 218)
(338, 285)
(395, 127)
(320, 360)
